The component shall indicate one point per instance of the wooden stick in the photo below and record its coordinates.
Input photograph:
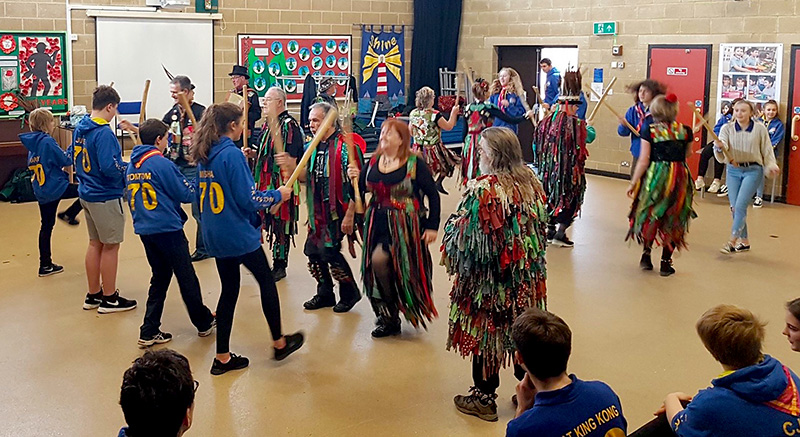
(136, 141)
(143, 110)
(111, 84)
(602, 98)
(614, 111)
(322, 130)
(188, 108)
(277, 138)
(352, 154)
(246, 141)
(711, 132)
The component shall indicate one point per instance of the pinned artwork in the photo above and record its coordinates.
(382, 68)
(32, 67)
(286, 60)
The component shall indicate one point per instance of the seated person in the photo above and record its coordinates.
(157, 395)
(756, 395)
(550, 402)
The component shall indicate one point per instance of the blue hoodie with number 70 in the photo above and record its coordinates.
(229, 202)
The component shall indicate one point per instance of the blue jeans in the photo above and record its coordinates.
(743, 182)
(190, 172)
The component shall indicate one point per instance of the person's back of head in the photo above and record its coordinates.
(544, 341)
(157, 395)
(40, 120)
(103, 96)
(732, 335)
(151, 130)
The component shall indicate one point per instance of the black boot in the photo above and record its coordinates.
(666, 267)
(645, 263)
(279, 270)
(386, 327)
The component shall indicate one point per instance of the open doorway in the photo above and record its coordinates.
(525, 59)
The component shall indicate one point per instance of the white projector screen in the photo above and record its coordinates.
(131, 50)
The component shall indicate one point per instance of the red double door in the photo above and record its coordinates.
(686, 71)
(791, 154)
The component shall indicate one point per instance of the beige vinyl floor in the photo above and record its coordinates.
(61, 367)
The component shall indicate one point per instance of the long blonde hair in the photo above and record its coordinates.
(216, 120)
(505, 162)
(514, 83)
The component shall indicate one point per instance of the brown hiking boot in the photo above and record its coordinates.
(477, 404)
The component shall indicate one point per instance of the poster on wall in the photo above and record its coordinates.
(286, 60)
(382, 67)
(749, 71)
(32, 67)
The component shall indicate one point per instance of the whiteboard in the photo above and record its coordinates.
(131, 50)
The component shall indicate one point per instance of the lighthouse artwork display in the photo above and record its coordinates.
(382, 68)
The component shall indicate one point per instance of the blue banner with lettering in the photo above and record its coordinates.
(382, 68)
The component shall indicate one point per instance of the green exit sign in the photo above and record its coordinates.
(605, 28)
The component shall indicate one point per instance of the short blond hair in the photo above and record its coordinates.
(40, 119)
(663, 110)
(732, 335)
(424, 97)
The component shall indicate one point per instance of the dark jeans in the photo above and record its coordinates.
(47, 212)
(706, 155)
(328, 263)
(190, 172)
(489, 384)
(168, 254)
(230, 277)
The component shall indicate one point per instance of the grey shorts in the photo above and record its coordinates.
(105, 220)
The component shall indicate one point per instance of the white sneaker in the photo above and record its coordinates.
(714, 188)
(758, 203)
(699, 183)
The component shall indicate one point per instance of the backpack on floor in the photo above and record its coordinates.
(18, 189)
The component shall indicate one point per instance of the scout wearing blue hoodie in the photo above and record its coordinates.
(50, 182)
(98, 163)
(155, 191)
(644, 93)
(229, 203)
(755, 396)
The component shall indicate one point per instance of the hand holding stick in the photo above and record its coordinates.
(352, 154)
(322, 130)
(711, 132)
(187, 108)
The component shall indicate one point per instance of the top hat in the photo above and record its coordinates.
(326, 83)
(239, 70)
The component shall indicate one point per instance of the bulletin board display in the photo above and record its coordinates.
(286, 60)
(33, 66)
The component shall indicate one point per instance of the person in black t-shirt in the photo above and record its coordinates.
(180, 125)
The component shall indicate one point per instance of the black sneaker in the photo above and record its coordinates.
(561, 240)
(93, 301)
(666, 267)
(293, 343)
(72, 221)
(197, 256)
(208, 331)
(551, 232)
(115, 304)
(318, 302)
(52, 269)
(343, 307)
(646, 263)
(278, 273)
(160, 338)
(235, 363)
(741, 247)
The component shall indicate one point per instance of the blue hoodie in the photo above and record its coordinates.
(636, 116)
(229, 202)
(155, 191)
(98, 158)
(721, 122)
(551, 91)
(745, 403)
(46, 159)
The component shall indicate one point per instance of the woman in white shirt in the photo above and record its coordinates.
(746, 149)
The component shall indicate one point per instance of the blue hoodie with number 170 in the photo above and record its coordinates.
(229, 202)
